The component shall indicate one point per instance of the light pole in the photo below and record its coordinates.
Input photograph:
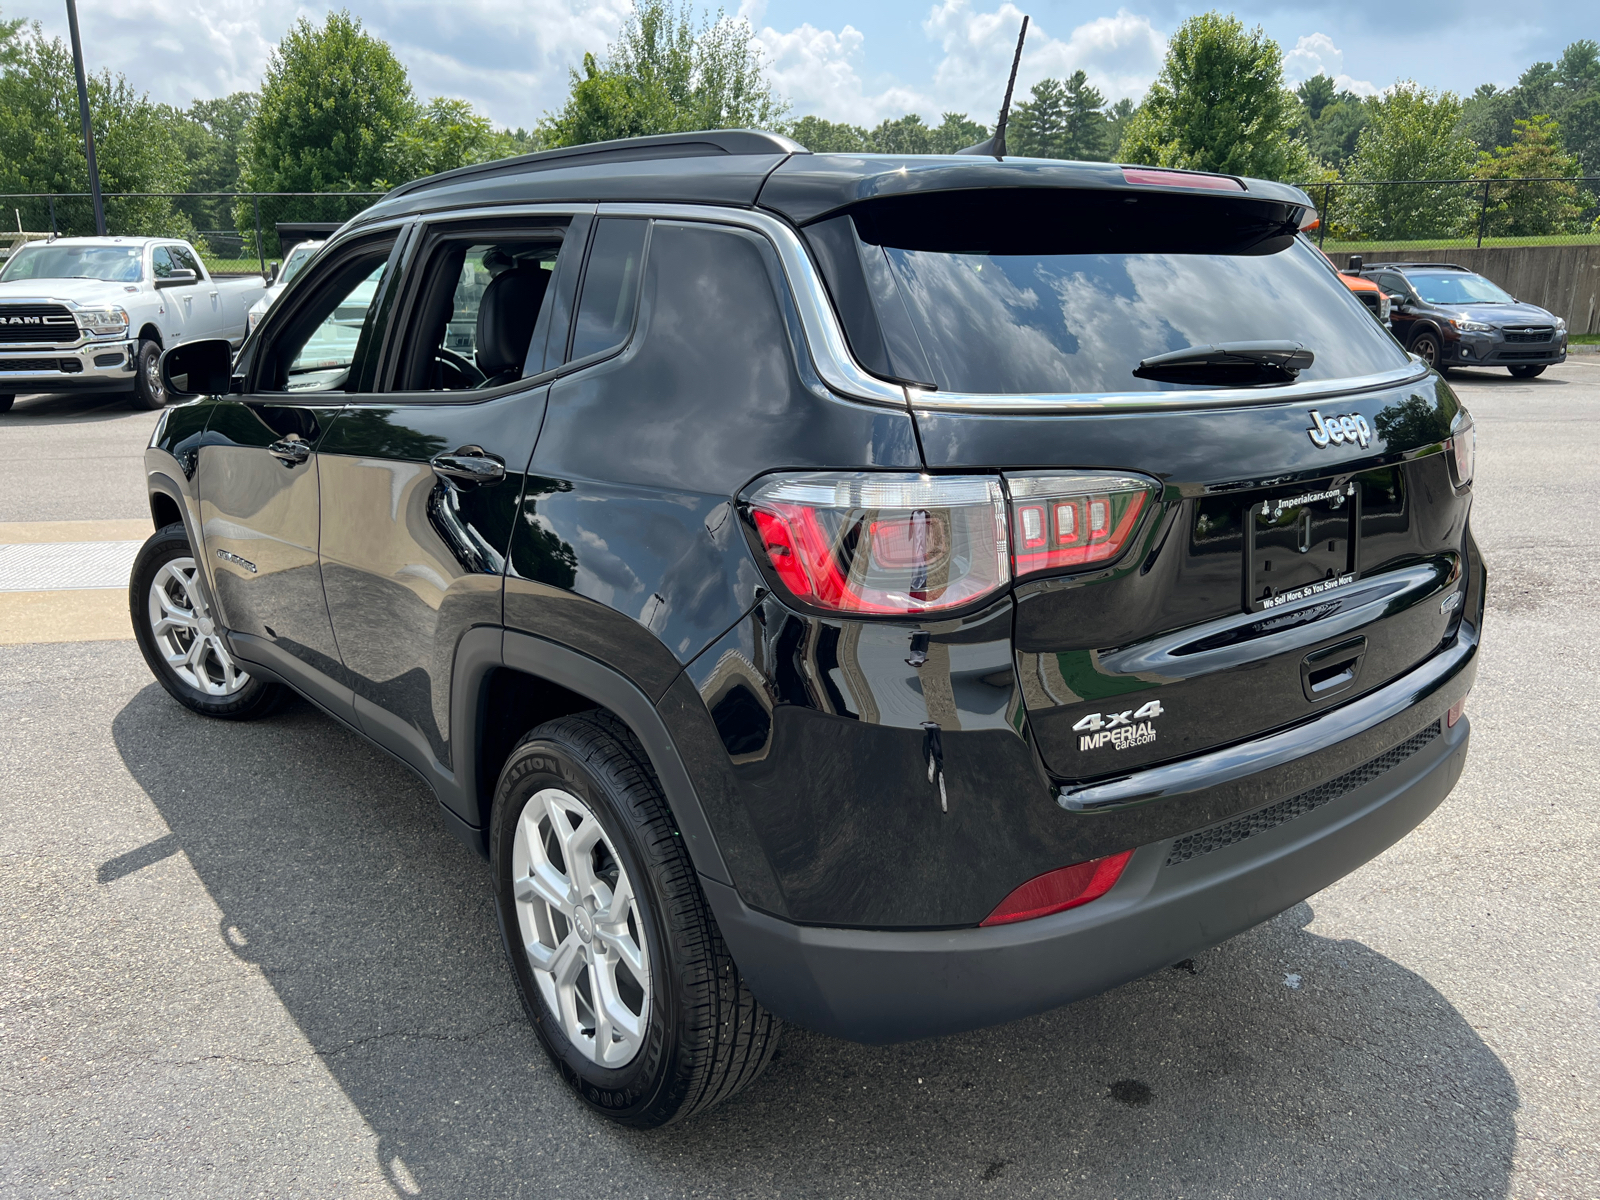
(88, 126)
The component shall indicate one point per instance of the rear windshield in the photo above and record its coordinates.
(1076, 312)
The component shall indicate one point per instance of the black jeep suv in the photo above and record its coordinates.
(1451, 317)
(892, 595)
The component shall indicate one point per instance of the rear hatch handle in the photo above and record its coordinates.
(1332, 670)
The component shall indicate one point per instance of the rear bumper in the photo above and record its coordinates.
(1173, 900)
(94, 366)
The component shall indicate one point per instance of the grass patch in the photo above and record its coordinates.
(233, 266)
(1471, 243)
(1583, 339)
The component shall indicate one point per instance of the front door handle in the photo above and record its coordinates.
(469, 466)
(290, 451)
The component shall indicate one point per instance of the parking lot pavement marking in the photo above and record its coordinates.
(26, 532)
(66, 581)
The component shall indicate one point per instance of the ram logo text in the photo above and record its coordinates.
(1339, 431)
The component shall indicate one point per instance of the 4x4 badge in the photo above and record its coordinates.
(1339, 430)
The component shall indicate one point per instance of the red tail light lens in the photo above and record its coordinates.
(1074, 519)
(1056, 891)
(1157, 177)
(884, 544)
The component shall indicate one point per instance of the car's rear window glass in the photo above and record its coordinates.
(610, 287)
(1458, 287)
(1068, 301)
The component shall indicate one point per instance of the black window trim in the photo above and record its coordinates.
(427, 234)
(569, 364)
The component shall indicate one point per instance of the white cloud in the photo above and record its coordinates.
(824, 72)
(1315, 54)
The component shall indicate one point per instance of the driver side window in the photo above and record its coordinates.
(320, 346)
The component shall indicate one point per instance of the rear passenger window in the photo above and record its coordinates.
(184, 260)
(610, 288)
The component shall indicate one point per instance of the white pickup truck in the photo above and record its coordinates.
(94, 314)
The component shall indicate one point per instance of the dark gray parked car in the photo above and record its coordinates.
(1452, 317)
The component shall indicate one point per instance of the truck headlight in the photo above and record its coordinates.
(111, 321)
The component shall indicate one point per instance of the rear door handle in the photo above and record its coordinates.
(470, 466)
(290, 451)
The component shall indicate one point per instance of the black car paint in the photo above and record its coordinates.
(791, 744)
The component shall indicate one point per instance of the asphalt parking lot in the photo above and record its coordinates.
(248, 960)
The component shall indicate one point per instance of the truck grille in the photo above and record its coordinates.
(40, 366)
(1531, 333)
(37, 323)
(1263, 819)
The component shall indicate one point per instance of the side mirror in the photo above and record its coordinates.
(1396, 298)
(272, 274)
(203, 368)
(180, 277)
(1355, 264)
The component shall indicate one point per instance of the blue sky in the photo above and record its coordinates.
(840, 59)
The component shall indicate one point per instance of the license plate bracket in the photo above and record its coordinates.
(1300, 544)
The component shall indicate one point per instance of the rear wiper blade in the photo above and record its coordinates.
(1229, 364)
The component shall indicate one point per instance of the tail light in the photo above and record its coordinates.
(871, 543)
(1463, 454)
(1162, 177)
(1073, 519)
(1056, 891)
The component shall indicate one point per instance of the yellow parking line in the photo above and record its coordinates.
(27, 532)
(85, 615)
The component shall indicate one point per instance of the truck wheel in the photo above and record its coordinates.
(1426, 347)
(179, 639)
(6, 401)
(616, 955)
(1527, 371)
(148, 390)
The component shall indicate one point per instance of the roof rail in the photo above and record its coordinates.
(699, 144)
(1442, 266)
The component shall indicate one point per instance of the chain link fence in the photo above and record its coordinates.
(237, 232)
(1448, 214)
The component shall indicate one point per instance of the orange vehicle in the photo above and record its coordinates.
(1365, 290)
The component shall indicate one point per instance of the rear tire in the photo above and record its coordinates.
(148, 390)
(1527, 371)
(182, 645)
(686, 1033)
(1426, 347)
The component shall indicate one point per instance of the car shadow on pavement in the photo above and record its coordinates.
(68, 408)
(1279, 1064)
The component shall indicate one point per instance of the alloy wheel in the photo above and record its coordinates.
(581, 927)
(152, 378)
(185, 633)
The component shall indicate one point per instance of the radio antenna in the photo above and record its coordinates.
(996, 143)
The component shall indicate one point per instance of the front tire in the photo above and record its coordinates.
(617, 958)
(148, 390)
(180, 641)
(1527, 371)
(1426, 347)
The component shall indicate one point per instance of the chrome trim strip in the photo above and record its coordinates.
(830, 353)
(1163, 401)
(1233, 762)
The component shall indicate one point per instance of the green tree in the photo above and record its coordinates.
(1488, 116)
(907, 135)
(10, 45)
(448, 134)
(335, 115)
(668, 73)
(1330, 120)
(1118, 117)
(1219, 104)
(829, 137)
(210, 136)
(955, 132)
(1580, 131)
(1315, 95)
(1062, 119)
(1534, 209)
(41, 141)
(1414, 134)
